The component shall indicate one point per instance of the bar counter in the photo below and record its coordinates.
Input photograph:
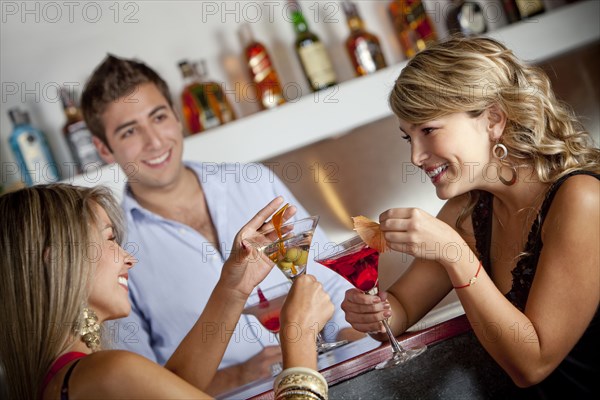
(455, 365)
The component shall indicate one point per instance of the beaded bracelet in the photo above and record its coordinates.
(298, 394)
(472, 280)
(294, 382)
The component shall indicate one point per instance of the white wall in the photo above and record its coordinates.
(46, 44)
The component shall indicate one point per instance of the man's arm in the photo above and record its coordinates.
(237, 375)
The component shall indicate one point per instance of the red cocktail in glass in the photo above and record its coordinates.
(359, 264)
(266, 305)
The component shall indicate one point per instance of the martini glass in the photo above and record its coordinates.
(290, 253)
(358, 264)
(266, 306)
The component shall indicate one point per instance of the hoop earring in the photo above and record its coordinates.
(501, 157)
(502, 148)
(89, 329)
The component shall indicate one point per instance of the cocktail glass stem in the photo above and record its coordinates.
(323, 346)
(396, 348)
(400, 354)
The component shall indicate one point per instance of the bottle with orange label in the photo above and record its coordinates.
(204, 102)
(197, 112)
(262, 70)
(362, 47)
(413, 27)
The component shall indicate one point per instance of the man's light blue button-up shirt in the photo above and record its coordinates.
(178, 267)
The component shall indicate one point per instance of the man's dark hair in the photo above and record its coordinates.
(113, 79)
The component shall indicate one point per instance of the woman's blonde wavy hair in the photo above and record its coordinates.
(47, 239)
(471, 74)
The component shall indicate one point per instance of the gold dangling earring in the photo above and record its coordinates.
(501, 156)
(89, 329)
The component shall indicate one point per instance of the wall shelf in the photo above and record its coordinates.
(360, 101)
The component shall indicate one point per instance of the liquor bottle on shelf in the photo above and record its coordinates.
(517, 10)
(262, 70)
(414, 29)
(313, 56)
(216, 95)
(466, 17)
(78, 137)
(363, 47)
(204, 103)
(197, 113)
(31, 150)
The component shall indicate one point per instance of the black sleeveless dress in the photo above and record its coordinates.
(578, 375)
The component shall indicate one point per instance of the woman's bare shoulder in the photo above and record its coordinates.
(580, 189)
(92, 369)
(118, 374)
(577, 200)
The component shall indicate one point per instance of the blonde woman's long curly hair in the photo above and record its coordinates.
(48, 236)
(471, 74)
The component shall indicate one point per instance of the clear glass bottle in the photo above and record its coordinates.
(77, 135)
(262, 70)
(362, 47)
(313, 56)
(467, 18)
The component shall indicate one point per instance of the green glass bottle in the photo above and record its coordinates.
(313, 56)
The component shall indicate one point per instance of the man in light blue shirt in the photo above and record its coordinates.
(181, 267)
(181, 220)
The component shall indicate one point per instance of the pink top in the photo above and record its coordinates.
(59, 364)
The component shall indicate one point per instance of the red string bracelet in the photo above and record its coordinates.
(472, 280)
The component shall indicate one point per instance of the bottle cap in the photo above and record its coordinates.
(245, 34)
(67, 97)
(18, 117)
(294, 6)
(200, 68)
(186, 68)
(349, 9)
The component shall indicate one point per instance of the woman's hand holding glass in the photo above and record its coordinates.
(246, 266)
(365, 312)
(305, 311)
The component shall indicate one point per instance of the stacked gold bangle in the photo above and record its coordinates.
(300, 383)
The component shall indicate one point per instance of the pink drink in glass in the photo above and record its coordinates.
(267, 312)
(358, 264)
(360, 268)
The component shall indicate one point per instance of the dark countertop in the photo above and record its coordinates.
(456, 368)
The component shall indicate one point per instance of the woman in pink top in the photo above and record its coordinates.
(64, 272)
